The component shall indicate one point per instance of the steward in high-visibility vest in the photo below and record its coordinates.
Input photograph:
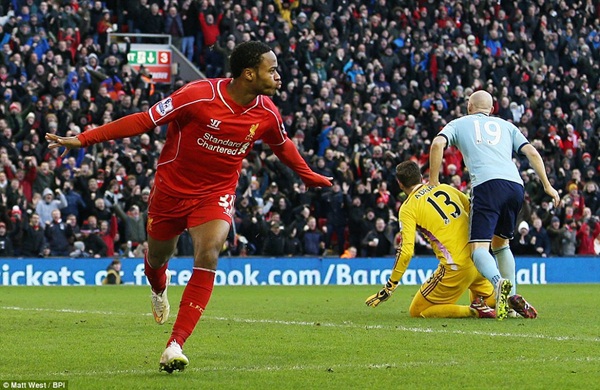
(113, 273)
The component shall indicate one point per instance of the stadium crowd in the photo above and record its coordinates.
(366, 85)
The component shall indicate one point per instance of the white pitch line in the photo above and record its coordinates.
(296, 367)
(332, 325)
(411, 329)
(332, 367)
(71, 311)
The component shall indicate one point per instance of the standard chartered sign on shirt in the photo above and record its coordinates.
(156, 59)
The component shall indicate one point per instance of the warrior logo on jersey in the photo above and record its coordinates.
(214, 124)
(164, 106)
(251, 132)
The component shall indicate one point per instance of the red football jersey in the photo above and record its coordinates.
(208, 136)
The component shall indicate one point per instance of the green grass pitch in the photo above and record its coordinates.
(317, 337)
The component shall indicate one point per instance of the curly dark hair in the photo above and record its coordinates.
(247, 55)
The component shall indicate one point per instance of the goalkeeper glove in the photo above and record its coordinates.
(382, 295)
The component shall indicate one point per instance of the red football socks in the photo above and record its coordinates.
(157, 277)
(193, 302)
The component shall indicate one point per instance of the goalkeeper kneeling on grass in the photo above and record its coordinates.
(441, 214)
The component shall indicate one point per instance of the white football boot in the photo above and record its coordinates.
(160, 303)
(173, 358)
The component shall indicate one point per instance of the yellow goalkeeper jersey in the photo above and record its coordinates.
(441, 214)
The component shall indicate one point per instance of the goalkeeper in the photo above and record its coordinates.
(441, 214)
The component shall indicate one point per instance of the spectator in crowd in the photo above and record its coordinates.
(275, 242)
(540, 238)
(48, 204)
(100, 211)
(16, 229)
(109, 233)
(141, 250)
(255, 229)
(283, 209)
(313, 239)
(90, 191)
(524, 243)
(575, 200)
(24, 175)
(378, 243)
(293, 245)
(331, 74)
(174, 27)
(93, 243)
(58, 234)
(33, 236)
(561, 238)
(74, 201)
(349, 253)
(72, 221)
(586, 235)
(79, 250)
(6, 246)
(209, 23)
(301, 215)
(191, 24)
(356, 222)
(113, 195)
(44, 178)
(103, 28)
(4, 183)
(591, 197)
(135, 225)
(337, 201)
(152, 22)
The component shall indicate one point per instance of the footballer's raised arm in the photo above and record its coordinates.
(128, 126)
(163, 112)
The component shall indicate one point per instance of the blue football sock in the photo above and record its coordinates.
(486, 265)
(506, 265)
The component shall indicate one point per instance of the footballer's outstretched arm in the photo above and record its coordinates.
(290, 156)
(129, 126)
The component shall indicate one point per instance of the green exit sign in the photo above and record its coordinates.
(149, 57)
(142, 57)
